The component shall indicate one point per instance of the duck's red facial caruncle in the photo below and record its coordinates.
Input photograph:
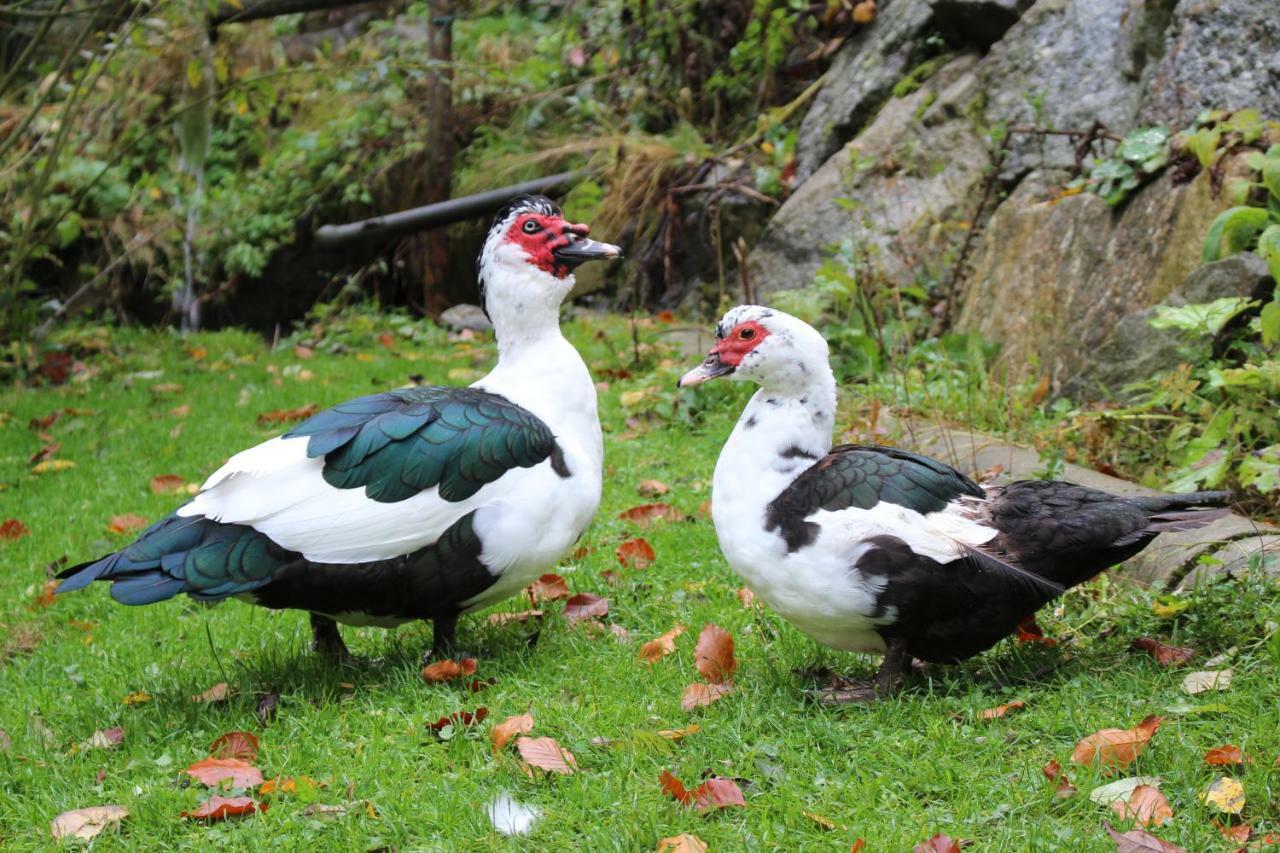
(556, 246)
(727, 354)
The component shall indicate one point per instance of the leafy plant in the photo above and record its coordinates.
(1136, 158)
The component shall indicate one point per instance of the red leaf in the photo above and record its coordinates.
(221, 808)
(1225, 754)
(215, 771)
(1053, 772)
(242, 745)
(1164, 655)
(859, 845)
(126, 523)
(1240, 832)
(1116, 747)
(584, 605)
(1029, 632)
(714, 655)
(1001, 710)
(40, 424)
(460, 718)
(1140, 841)
(545, 753)
(444, 670)
(12, 529)
(167, 484)
(1146, 805)
(698, 694)
(549, 587)
(717, 793)
(938, 844)
(635, 554)
(646, 515)
(674, 788)
(284, 416)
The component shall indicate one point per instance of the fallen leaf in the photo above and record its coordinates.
(87, 823)
(1121, 789)
(329, 810)
(460, 718)
(303, 352)
(105, 738)
(1140, 841)
(584, 605)
(215, 771)
(825, 822)
(44, 453)
(284, 416)
(242, 745)
(13, 530)
(747, 597)
(503, 732)
(220, 808)
(290, 785)
(1053, 772)
(698, 694)
(1146, 805)
(682, 843)
(1001, 710)
(510, 817)
(674, 788)
(656, 649)
(1116, 747)
(167, 484)
(137, 697)
(217, 693)
(1239, 832)
(938, 844)
(549, 587)
(717, 793)
(1200, 682)
(1164, 655)
(652, 488)
(506, 618)
(1029, 631)
(52, 466)
(1225, 754)
(635, 554)
(41, 424)
(387, 339)
(713, 654)
(865, 12)
(611, 577)
(126, 523)
(859, 845)
(1226, 795)
(544, 753)
(680, 734)
(647, 515)
(46, 596)
(444, 670)
(181, 411)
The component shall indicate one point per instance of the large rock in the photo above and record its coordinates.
(1222, 54)
(1052, 276)
(1136, 351)
(893, 196)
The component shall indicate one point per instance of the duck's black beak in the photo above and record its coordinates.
(581, 249)
(711, 367)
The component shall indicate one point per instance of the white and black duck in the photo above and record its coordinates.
(874, 549)
(419, 503)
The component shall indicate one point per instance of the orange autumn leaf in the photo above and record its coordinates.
(646, 515)
(167, 484)
(503, 732)
(683, 843)
(714, 654)
(289, 785)
(584, 605)
(697, 695)
(242, 745)
(864, 12)
(715, 793)
(674, 788)
(1165, 655)
(544, 753)
(859, 845)
(549, 587)
(284, 416)
(1001, 710)
(635, 554)
(652, 488)
(507, 618)
(1146, 805)
(1224, 755)
(1053, 772)
(1239, 832)
(221, 808)
(126, 523)
(387, 339)
(444, 670)
(13, 530)
(217, 693)
(215, 771)
(656, 649)
(46, 597)
(1116, 747)
(1029, 631)
(747, 597)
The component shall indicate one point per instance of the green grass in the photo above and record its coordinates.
(893, 774)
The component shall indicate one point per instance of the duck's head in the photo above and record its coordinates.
(530, 254)
(765, 346)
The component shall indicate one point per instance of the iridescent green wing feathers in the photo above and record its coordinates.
(402, 442)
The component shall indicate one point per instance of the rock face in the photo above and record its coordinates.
(1136, 351)
(892, 196)
(1052, 276)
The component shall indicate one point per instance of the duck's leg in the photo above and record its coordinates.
(896, 660)
(443, 643)
(327, 640)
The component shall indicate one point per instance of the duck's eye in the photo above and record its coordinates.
(747, 334)
(531, 226)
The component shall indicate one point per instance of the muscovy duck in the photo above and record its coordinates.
(874, 549)
(418, 503)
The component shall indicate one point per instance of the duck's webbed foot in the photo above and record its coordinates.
(896, 661)
(327, 640)
(839, 689)
(444, 643)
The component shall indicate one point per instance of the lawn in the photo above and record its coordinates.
(814, 777)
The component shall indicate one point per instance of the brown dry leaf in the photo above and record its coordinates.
(652, 489)
(714, 654)
(126, 523)
(1164, 655)
(1224, 755)
(242, 745)
(747, 597)
(635, 554)
(503, 732)
(284, 416)
(46, 597)
(656, 649)
(181, 411)
(698, 694)
(682, 843)
(87, 823)
(507, 618)
(1001, 710)
(13, 530)
(105, 738)
(1053, 772)
(387, 339)
(680, 734)
(221, 808)
(167, 484)
(647, 515)
(549, 587)
(1226, 795)
(1040, 391)
(217, 693)
(938, 844)
(44, 453)
(1146, 804)
(544, 753)
(1116, 747)
(584, 605)
(303, 352)
(1140, 841)
(674, 788)
(859, 845)
(1239, 832)
(865, 12)
(215, 771)
(444, 670)
(1201, 682)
